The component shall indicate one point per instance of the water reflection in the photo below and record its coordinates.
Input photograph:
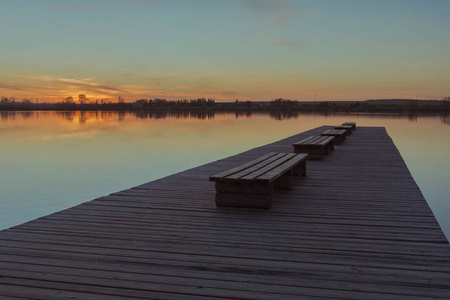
(412, 116)
(162, 114)
(445, 118)
(51, 160)
(84, 116)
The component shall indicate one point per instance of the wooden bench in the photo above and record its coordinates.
(338, 134)
(353, 124)
(316, 146)
(252, 184)
(347, 128)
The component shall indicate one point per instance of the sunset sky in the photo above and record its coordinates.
(225, 49)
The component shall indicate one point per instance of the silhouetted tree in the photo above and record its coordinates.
(82, 98)
(69, 99)
(445, 104)
(413, 105)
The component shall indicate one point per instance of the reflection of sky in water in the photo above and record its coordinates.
(50, 161)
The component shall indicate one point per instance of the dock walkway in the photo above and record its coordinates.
(357, 227)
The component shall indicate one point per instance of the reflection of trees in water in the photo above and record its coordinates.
(158, 114)
(202, 115)
(286, 115)
(11, 115)
(67, 115)
(121, 116)
(445, 118)
(412, 116)
(84, 116)
(241, 114)
(162, 114)
(283, 115)
(7, 115)
(28, 114)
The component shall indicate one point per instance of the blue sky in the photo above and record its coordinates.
(226, 49)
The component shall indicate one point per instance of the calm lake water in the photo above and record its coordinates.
(50, 161)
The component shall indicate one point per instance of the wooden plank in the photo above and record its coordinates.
(348, 128)
(271, 171)
(314, 140)
(353, 124)
(249, 174)
(325, 140)
(275, 173)
(334, 132)
(339, 135)
(308, 140)
(241, 167)
(315, 146)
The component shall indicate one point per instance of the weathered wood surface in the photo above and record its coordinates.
(265, 169)
(338, 134)
(348, 128)
(316, 146)
(357, 227)
(353, 124)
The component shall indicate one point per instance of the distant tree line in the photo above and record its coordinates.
(278, 104)
(5, 100)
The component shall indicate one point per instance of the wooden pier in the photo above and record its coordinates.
(356, 227)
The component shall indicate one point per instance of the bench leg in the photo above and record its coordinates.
(244, 195)
(314, 152)
(338, 140)
(284, 182)
(300, 169)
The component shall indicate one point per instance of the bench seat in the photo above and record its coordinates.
(353, 124)
(252, 184)
(338, 134)
(316, 146)
(347, 128)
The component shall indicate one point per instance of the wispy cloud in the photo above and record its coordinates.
(54, 87)
(156, 80)
(7, 86)
(77, 83)
(276, 13)
(89, 85)
(210, 89)
(50, 88)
